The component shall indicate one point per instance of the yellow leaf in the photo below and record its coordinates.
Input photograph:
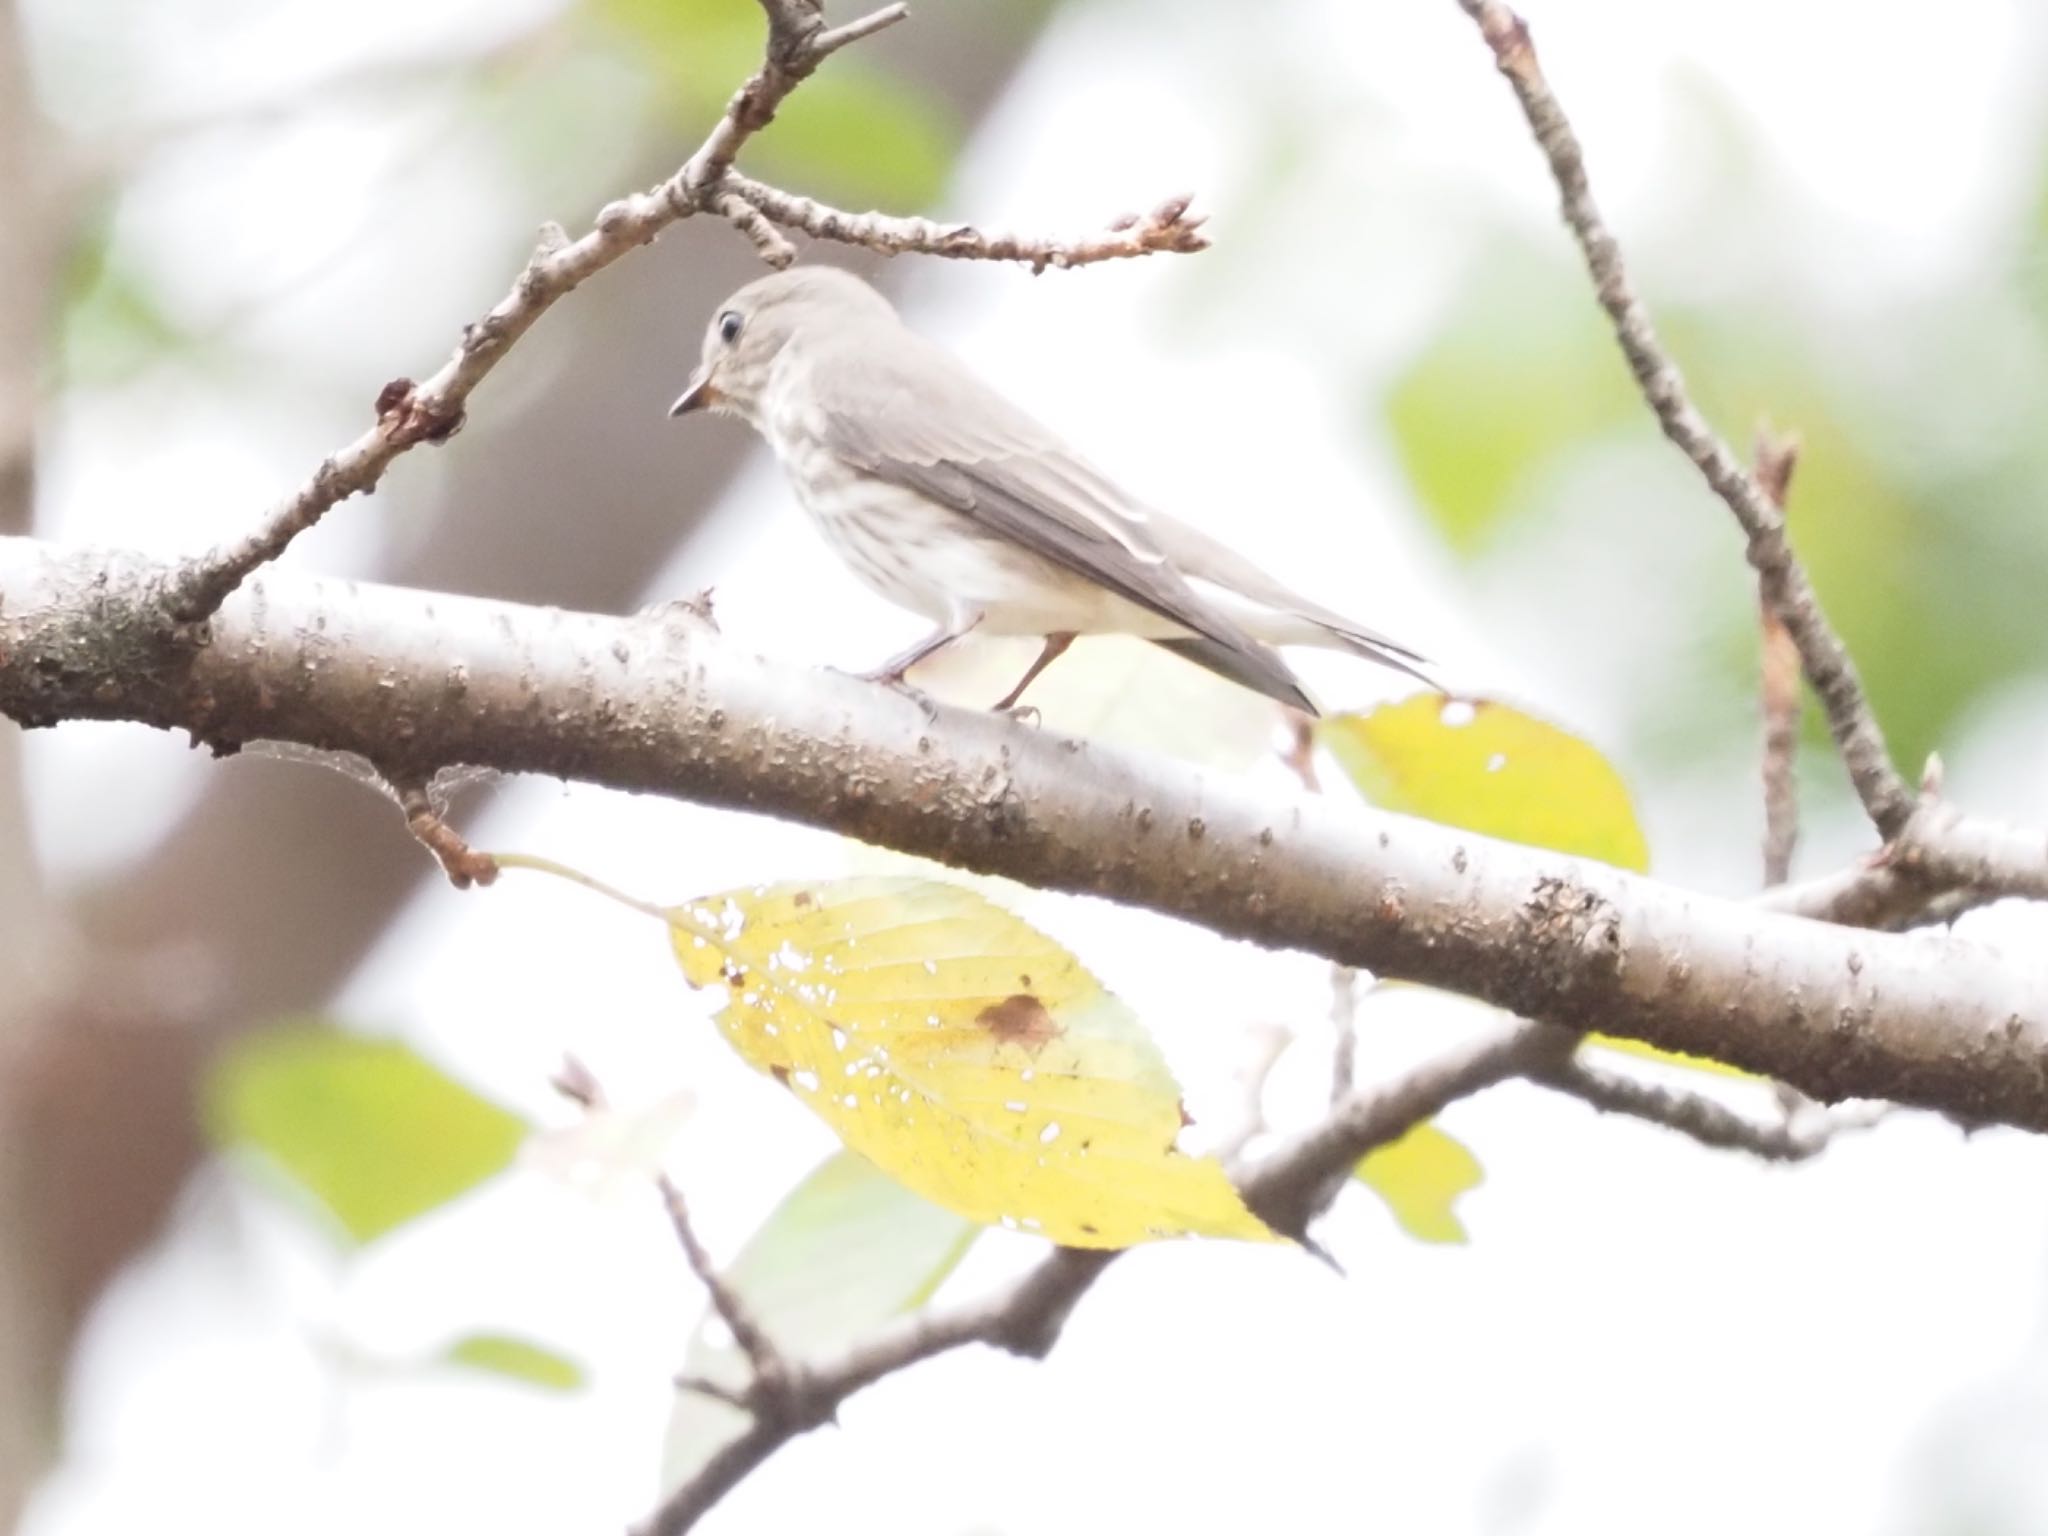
(1491, 769)
(1421, 1175)
(963, 1052)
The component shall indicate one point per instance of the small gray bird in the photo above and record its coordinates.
(953, 503)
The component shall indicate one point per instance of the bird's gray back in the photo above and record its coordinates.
(893, 406)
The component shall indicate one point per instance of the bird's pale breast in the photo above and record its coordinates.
(930, 558)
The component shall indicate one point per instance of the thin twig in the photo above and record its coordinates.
(768, 1394)
(578, 1084)
(1300, 757)
(773, 245)
(431, 411)
(1955, 853)
(1026, 1318)
(1886, 796)
(741, 1398)
(769, 1371)
(1776, 458)
(1344, 1024)
(1292, 1185)
(1263, 1046)
(1794, 1139)
(1868, 894)
(462, 864)
(1169, 227)
(833, 39)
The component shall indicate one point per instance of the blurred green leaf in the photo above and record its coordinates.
(522, 1360)
(1420, 1176)
(855, 135)
(847, 1249)
(852, 134)
(112, 323)
(1523, 370)
(367, 1128)
(701, 50)
(564, 123)
(1924, 553)
(1932, 580)
(1491, 769)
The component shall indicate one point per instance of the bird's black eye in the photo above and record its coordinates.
(729, 325)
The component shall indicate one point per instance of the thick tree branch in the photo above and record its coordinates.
(1885, 795)
(416, 681)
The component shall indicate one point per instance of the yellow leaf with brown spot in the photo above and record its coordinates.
(1420, 1175)
(962, 1051)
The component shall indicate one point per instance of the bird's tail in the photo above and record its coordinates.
(1342, 635)
(1263, 608)
(1248, 664)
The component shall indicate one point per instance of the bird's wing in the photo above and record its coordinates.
(1197, 555)
(906, 412)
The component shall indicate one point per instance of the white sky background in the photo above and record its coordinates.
(1642, 1335)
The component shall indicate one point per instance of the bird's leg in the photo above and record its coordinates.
(1055, 648)
(893, 670)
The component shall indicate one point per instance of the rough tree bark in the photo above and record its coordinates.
(416, 681)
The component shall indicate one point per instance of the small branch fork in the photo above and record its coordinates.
(1885, 794)
(1932, 858)
(772, 1393)
(1804, 1131)
(432, 410)
(1026, 1318)
(1289, 1188)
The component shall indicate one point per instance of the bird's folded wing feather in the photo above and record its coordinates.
(907, 413)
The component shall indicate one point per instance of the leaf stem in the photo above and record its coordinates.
(546, 866)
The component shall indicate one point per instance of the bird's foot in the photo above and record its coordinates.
(1023, 714)
(893, 679)
(917, 696)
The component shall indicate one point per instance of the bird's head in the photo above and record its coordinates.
(749, 332)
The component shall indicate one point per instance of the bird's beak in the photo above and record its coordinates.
(696, 397)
